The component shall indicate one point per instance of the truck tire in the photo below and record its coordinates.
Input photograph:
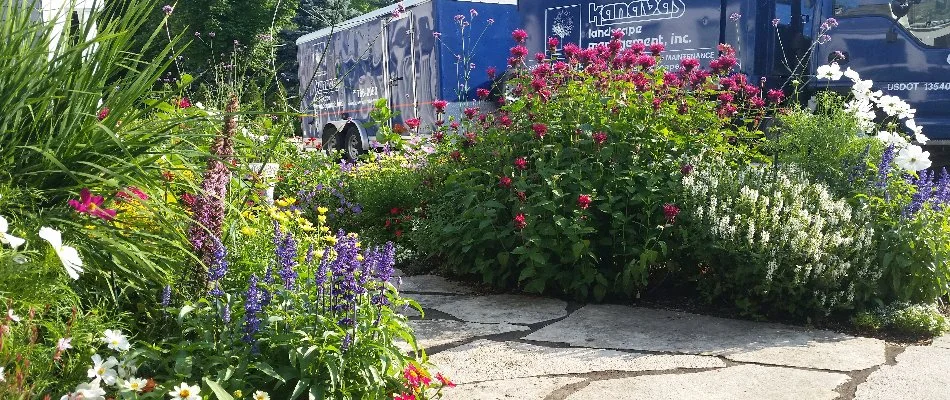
(352, 145)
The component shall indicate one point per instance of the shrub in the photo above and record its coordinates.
(564, 187)
(770, 240)
(903, 318)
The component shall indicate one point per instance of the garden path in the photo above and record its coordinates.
(532, 348)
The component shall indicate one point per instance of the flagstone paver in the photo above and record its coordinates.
(943, 341)
(634, 328)
(484, 360)
(432, 284)
(743, 382)
(537, 388)
(427, 302)
(431, 333)
(524, 310)
(921, 373)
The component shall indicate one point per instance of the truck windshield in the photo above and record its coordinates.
(927, 20)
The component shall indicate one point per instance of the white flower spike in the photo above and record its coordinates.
(7, 238)
(67, 254)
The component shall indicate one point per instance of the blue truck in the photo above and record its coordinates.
(902, 45)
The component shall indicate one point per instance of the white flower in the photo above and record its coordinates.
(134, 385)
(832, 72)
(126, 369)
(64, 344)
(917, 130)
(913, 158)
(90, 391)
(67, 254)
(889, 138)
(894, 106)
(102, 370)
(3, 376)
(185, 392)
(852, 74)
(7, 238)
(116, 340)
(11, 316)
(261, 395)
(200, 106)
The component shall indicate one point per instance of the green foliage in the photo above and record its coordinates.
(905, 319)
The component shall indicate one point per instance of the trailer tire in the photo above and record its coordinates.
(331, 141)
(352, 144)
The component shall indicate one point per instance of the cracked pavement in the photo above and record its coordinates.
(534, 348)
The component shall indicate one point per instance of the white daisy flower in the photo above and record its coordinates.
(115, 340)
(185, 392)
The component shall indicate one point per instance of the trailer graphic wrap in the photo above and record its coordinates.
(687, 28)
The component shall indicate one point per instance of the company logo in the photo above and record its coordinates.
(636, 11)
(564, 23)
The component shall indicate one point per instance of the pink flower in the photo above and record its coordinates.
(482, 93)
(540, 130)
(92, 205)
(413, 123)
(184, 103)
(600, 138)
(440, 105)
(670, 211)
(657, 48)
(491, 71)
(103, 113)
(521, 163)
(505, 121)
(637, 48)
(583, 201)
(131, 192)
(504, 182)
(539, 57)
(519, 35)
(445, 381)
(617, 34)
(454, 125)
(520, 222)
(471, 112)
(456, 155)
(776, 95)
(689, 64)
(519, 52)
(553, 42)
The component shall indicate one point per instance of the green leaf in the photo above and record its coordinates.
(183, 364)
(183, 312)
(301, 388)
(503, 258)
(267, 369)
(218, 391)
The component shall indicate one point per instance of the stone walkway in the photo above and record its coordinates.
(531, 348)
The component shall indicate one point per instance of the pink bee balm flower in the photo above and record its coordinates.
(470, 112)
(670, 211)
(519, 35)
(553, 42)
(540, 130)
(520, 222)
(776, 95)
(482, 93)
(583, 201)
(413, 123)
(521, 163)
(504, 182)
(657, 48)
(440, 105)
(492, 72)
(92, 205)
(600, 138)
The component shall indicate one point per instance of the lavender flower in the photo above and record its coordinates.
(167, 296)
(252, 307)
(218, 267)
(924, 193)
(287, 260)
(347, 341)
(942, 195)
(884, 167)
(168, 9)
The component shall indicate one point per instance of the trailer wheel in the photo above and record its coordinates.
(331, 141)
(352, 144)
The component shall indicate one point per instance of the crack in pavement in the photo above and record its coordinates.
(849, 389)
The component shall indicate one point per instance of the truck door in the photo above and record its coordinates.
(688, 28)
(400, 67)
(904, 46)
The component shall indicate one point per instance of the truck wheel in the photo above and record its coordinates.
(353, 145)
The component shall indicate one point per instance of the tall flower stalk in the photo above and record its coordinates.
(209, 206)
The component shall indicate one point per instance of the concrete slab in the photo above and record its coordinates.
(943, 342)
(427, 301)
(499, 309)
(486, 360)
(432, 284)
(510, 389)
(921, 373)
(633, 328)
(743, 382)
(431, 333)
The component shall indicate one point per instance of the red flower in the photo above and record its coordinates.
(482, 93)
(776, 95)
(583, 201)
(92, 205)
(438, 136)
(492, 72)
(520, 222)
(471, 112)
(416, 378)
(600, 138)
(387, 223)
(413, 123)
(398, 232)
(505, 121)
(440, 105)
(553, 42)
(394, 211)
(456, 155)
(103, 113)
(405, 396)
(184, 103)
(521, 163)
(539, 57)
(445, 381)
(399, 129)
(504, 182)
(454, 125)
(188, 199)
(540, 130)
(519, 35)
(670, 211)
